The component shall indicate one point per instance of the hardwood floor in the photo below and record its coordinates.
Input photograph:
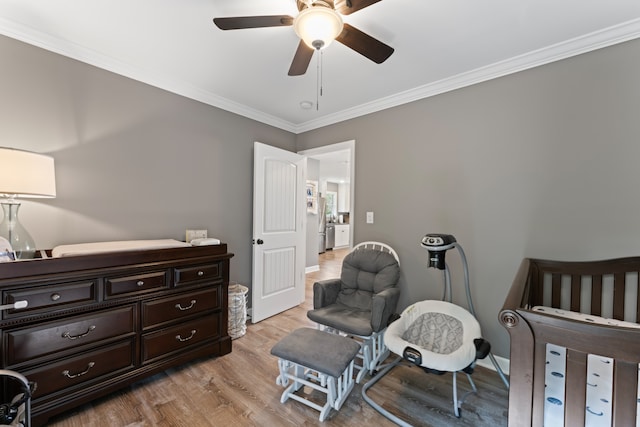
(239, 389)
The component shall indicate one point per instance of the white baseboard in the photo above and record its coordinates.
(312, 269)
(502, 362)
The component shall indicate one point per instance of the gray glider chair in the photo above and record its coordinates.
(361, 302)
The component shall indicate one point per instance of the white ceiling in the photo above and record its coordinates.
(439, 46)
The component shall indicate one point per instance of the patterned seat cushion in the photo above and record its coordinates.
(436, 332)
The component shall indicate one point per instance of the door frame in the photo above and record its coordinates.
(341, 146)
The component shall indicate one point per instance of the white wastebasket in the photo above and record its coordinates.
(237, 310)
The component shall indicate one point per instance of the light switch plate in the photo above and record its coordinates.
(196, 234)
(369, 217)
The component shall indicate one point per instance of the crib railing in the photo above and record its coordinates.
(602, 288)
(606, 288)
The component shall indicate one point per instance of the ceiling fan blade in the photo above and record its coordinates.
(301, 60)
(364, 44)
(347, 7)
(241, 22)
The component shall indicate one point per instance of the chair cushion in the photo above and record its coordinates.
(343, 318)
(365, 272)
(320, 351)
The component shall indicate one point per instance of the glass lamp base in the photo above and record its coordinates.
(11, 229)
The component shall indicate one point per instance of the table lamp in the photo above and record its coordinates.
(22, 174)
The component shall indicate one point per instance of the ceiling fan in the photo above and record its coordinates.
(318, 24)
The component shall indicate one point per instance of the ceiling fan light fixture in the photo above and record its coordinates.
(318, 26)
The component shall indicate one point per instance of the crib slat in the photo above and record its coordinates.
(556, 290)
(596, 295)
(575, 388)
(536, 287)
(540, 360)
(575, 292)
(625, 382)
(618, 295)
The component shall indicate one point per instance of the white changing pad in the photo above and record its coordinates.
(124, 245)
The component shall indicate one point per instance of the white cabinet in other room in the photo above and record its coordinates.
(344, 201)
(342, 235)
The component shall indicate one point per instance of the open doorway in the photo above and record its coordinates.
(332, 227)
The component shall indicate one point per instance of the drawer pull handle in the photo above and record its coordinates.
(75, 337)
(79, 374)
(200, 273)
(179, 338)
(140, 283)
(55, 297)
(181, 308)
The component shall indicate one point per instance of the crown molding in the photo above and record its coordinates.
(81, 53)
(599, 39)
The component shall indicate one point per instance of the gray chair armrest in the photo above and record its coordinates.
(325, 292)
(383, 306)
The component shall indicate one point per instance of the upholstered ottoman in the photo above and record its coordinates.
(317, 359)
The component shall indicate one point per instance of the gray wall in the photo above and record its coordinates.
(132, 161)
(543, 163)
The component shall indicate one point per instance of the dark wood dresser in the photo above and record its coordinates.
(96, 323)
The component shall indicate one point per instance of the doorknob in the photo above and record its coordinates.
(260, 241)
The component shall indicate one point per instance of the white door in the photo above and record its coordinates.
(279, 222)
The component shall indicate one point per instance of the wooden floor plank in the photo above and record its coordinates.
(239, 389)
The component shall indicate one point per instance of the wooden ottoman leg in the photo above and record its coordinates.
(283, 366)
(297, 361)
(344, 386)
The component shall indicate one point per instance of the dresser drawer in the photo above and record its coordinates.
(60, 295)
(139, 283)
(76, 371)
(30, 343)
(188, 275)
(176, 307)
(168, 340)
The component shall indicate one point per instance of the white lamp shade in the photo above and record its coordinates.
(26, 174)
(318, 24)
